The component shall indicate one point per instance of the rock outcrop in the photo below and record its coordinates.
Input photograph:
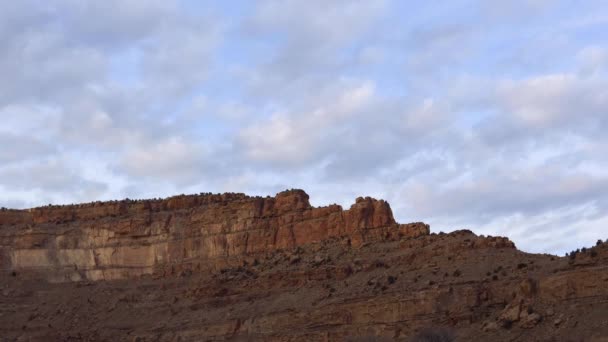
(232, 267)
(130, 238)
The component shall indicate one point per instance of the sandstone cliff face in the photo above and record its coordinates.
(124, 239)
(233, 267)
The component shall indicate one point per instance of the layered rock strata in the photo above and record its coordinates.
(115, 240)
(239, 268)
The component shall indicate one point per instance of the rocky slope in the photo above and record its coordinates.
(232, 267)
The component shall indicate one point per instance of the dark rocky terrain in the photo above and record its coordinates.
(232, 267)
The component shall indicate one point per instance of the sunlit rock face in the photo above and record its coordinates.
(115, 240)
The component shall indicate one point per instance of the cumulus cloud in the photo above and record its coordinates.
(490, 117)
(593, 59)
(313, 30)
(554, 99)
(295, 138)
(16, 148)
(171, 160)
(50, 177)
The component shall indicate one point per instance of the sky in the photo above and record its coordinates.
(484, 115)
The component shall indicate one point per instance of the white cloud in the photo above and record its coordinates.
(593, 59)
(335, 23)
(307, 41)
(426, 116)
(171, 160)
(294, 138)
(550, 99)
(19, 147)
(50, 176)
(450, 114)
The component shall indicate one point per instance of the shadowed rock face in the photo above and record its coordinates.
(234, 267)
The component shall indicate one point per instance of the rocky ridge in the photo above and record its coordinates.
(117, 240)
(232, 267)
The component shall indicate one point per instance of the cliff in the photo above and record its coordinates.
(129, 238)
(215, 267)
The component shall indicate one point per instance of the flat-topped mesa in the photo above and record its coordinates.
(121, 239)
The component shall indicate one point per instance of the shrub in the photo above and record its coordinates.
(380, 263)
(434, 335)
(368, 339)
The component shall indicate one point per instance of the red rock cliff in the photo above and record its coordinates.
(113, 240)
(232, 267)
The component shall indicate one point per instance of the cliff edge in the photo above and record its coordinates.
(115, 240)
(213, 267)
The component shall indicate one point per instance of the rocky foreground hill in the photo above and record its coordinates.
(215, 267)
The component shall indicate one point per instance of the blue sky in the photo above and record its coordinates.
(487, 115)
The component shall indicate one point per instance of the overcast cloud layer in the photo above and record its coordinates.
(488, 115)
